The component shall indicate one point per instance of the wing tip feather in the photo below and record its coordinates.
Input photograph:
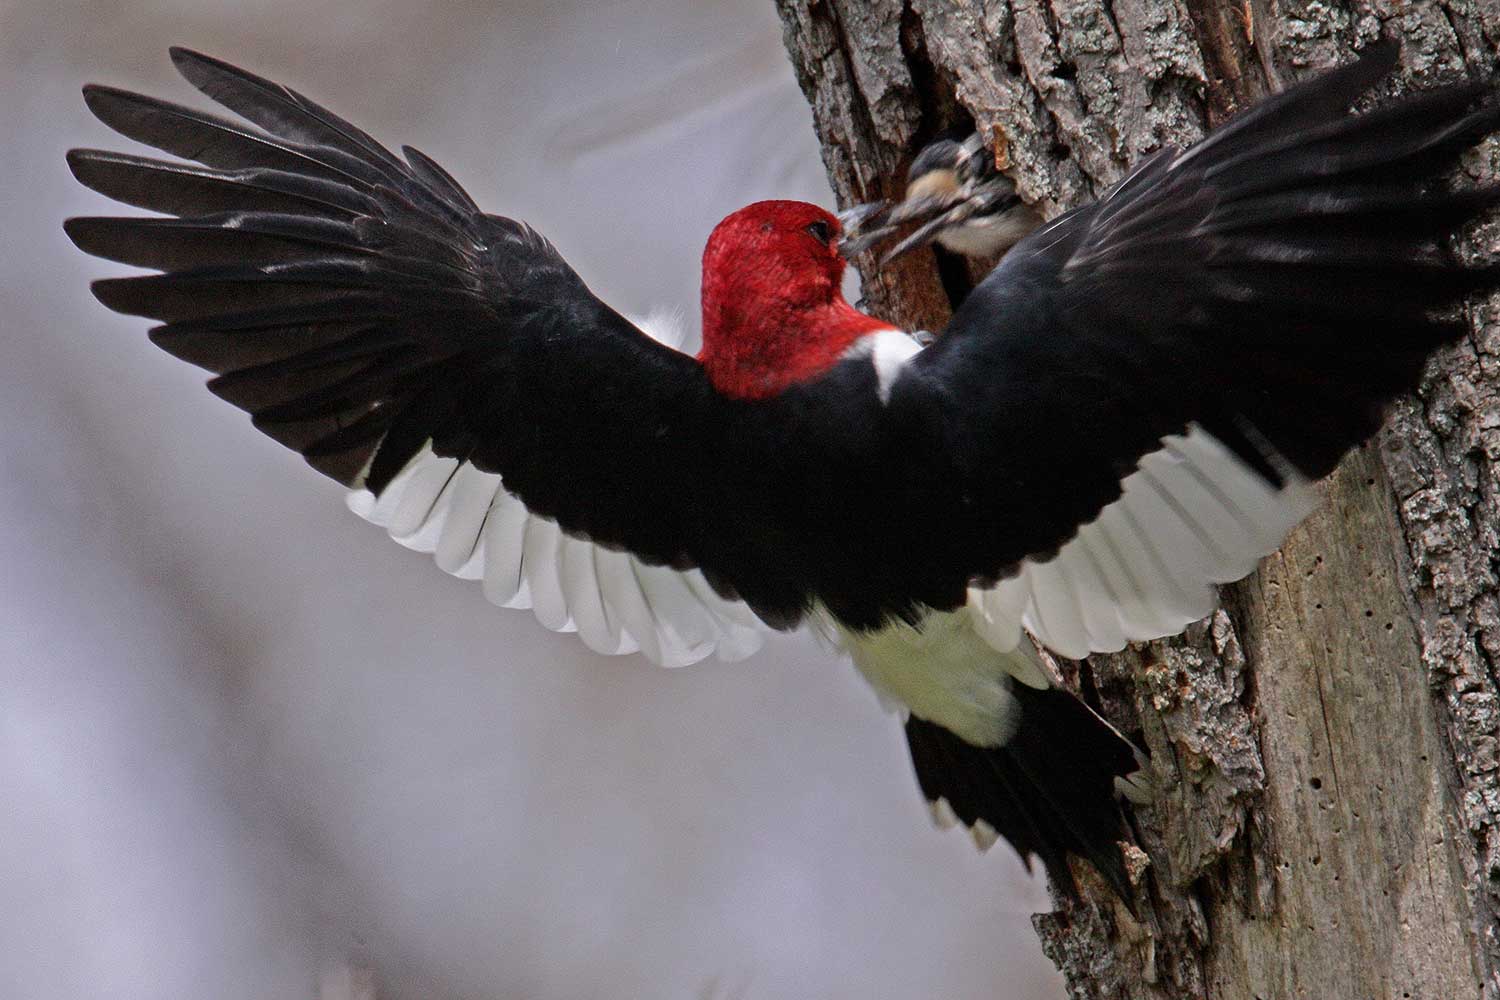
(85, 163)
(200, 69)
(78, 228)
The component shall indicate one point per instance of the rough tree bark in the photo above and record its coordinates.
(1331, 827)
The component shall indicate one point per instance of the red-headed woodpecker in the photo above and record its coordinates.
(1128, 410)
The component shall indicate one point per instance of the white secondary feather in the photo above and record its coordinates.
(460, 545)
(504, 540)
(476, 529)
(1192, 515)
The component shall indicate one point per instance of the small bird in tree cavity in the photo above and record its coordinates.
(1130, 408)
(955, 196)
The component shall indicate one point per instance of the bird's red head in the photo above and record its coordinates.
(773, 311)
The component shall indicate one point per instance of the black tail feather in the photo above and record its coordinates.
(1049, 791)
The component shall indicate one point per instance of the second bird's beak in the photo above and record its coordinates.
(874, 222)
(877, 221)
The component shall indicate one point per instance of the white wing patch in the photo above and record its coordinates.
(945, 672)
(477, 530)
(1192, 515)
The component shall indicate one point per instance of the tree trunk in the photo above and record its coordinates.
(1328, 741)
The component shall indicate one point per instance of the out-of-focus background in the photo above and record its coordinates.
(249, 748)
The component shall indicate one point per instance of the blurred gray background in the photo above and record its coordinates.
(251, 748)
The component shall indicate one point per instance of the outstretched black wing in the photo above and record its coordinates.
(365, 313)
(1262, 294)
(1253, 302)
(354, 304)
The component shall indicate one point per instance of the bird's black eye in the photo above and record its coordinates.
(820, 231)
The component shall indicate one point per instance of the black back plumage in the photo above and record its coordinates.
(1276, 284)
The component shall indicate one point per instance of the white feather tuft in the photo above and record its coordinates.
(665, 326)
(888, 351)
(942, 814)
(984, 835)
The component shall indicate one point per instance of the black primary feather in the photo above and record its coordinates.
(282, 111)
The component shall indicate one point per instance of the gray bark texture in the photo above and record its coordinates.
(1329, 742)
